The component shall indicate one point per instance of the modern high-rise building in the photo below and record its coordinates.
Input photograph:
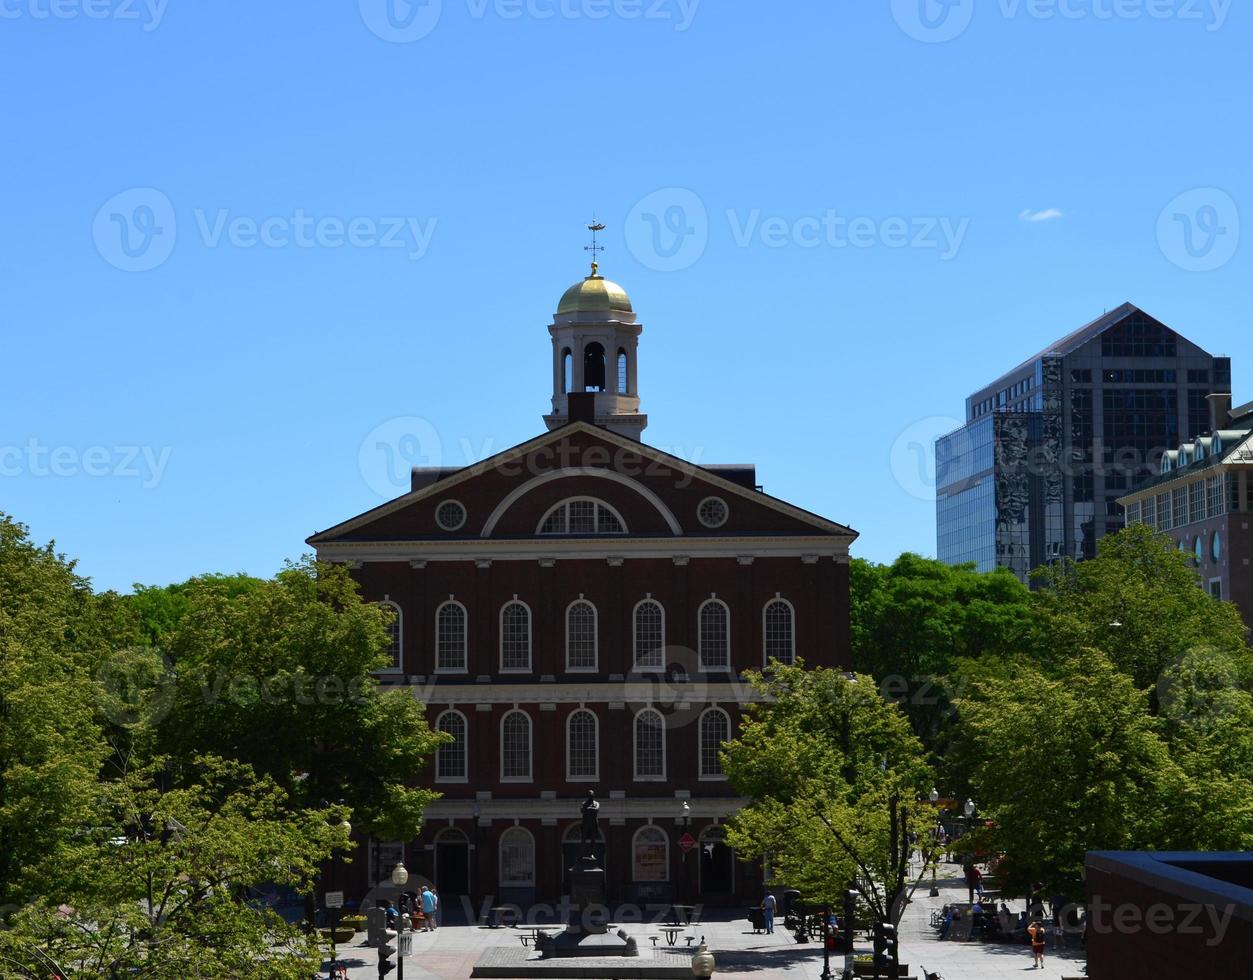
(1048, 448)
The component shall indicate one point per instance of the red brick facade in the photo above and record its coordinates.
(764, 576)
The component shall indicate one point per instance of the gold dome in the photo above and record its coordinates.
(595, 294)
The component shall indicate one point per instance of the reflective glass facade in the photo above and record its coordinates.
(1047, 450)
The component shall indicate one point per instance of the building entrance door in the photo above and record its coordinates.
(717, 863)
(452, 867)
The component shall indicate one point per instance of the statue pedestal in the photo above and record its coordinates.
(587, 933)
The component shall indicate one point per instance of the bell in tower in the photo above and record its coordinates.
(595, 341)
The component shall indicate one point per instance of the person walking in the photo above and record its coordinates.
(1037, 934)
(768, 905)
(435, 913)
(428, 910)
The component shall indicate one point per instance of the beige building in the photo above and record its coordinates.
(1201, 498)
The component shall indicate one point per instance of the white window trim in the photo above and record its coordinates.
(765, 659)
(700, 638)
(665, 840)
(530, 638)
(465, 514)
(400, 636)
(530, 748)
(465, 646)
(700, 745)
(466, 759)
(634, 636)
(576, 500)
(595, 777)
(635, 748)
(595, 668)
(1209, 588)
(500, 859)
(726, 513)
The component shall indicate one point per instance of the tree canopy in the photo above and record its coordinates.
(833, 776)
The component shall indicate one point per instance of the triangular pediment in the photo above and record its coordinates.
(503, 495)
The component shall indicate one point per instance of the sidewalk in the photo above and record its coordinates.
(450, 952)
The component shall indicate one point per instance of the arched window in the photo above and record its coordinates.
(582, 756)
(622, 371)
(650, 855)
(582, 516)
(715, 635)
(650, 745)
(715, 728)
(594, 367)
(779, 631)
(450, 758)
(567, 368)
(450, 638)
(394, 634)
(581, 636)
(515, 637)
(515, 747)
(650, 635)
(517, 858)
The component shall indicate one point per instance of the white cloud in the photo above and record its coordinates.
(1050, 214)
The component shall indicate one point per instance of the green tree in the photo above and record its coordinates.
(279, 675)
(834, 777)
(51, 748)
(1063, 763)
(913, 620)
(1138, 601)
(160, 885)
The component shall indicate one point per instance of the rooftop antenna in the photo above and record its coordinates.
(594, 248)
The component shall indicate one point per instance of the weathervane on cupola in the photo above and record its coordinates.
(594, 248)
(595, 339)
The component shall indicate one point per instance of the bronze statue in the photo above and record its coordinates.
(591, 825)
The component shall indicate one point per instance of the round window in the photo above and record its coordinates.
(450, 515)
(1216, 547)
(713, 512)
(1200, 547)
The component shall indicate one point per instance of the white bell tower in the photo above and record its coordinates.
(595, 343)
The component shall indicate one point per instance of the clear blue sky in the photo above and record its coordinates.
(713, 138)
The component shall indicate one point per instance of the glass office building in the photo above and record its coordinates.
(1048, 448)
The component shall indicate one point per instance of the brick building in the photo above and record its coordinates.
(578, 613)
(1201, 498)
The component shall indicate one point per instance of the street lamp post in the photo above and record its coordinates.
(477, 812)
(400, 877)
(934, 797)
(685, 820)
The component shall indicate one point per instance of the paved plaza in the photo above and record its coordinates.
(450, 952)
